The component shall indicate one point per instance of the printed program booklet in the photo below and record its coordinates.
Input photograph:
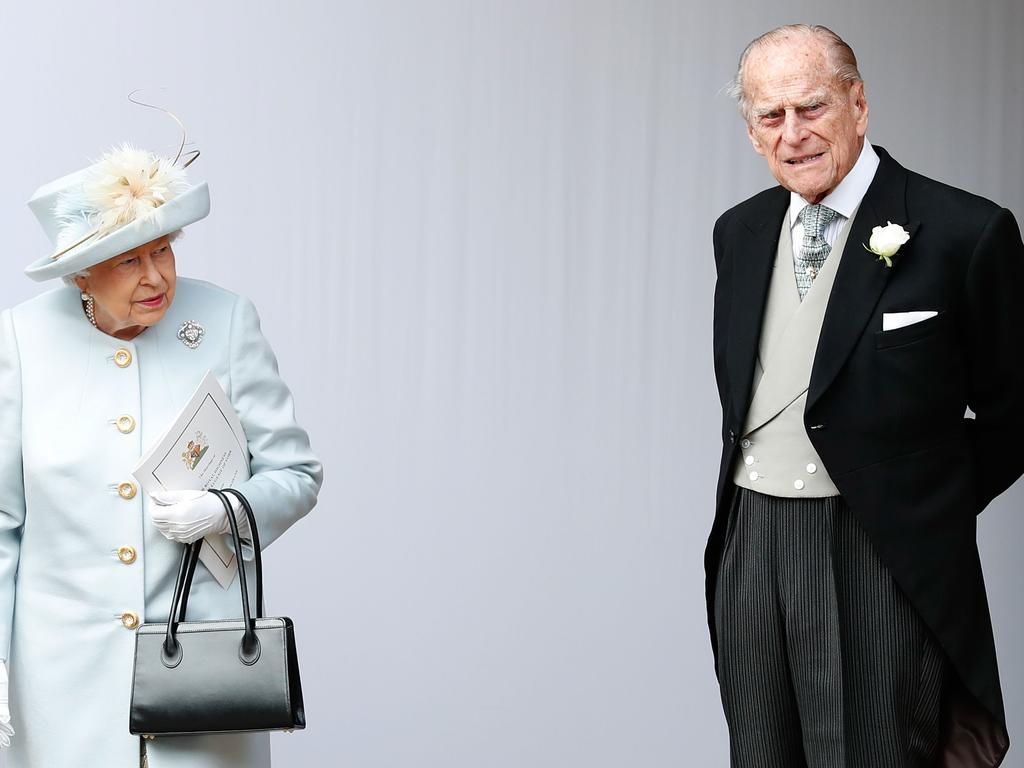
(204, 448)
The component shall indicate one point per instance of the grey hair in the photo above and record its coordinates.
(840, 55)
(70, 279)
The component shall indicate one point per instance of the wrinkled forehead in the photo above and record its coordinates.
(139, 250)
(788, 73)
(151, 246)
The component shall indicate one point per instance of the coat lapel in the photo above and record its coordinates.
(757, 242)
(861, 277)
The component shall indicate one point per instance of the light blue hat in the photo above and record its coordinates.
(126, 199)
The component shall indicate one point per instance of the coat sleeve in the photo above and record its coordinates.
(995, 278)
(12, 484)
(286, 475)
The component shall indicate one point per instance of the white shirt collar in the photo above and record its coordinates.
(845, 198)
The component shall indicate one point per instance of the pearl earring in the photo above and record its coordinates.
(90, 308)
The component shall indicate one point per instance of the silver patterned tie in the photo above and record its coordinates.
(814, 250)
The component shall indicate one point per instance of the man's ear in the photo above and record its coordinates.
(758, 146)
(859, 105)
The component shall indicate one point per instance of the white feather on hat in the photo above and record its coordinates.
(125, 184)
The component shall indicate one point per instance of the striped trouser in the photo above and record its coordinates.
(822, 660)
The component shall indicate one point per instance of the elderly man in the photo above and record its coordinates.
(861, 309)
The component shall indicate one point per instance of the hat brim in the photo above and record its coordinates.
(188, 207)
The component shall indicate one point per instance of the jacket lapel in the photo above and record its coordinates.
(757, 241)
(862, 276)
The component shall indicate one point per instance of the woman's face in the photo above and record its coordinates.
(132, 291)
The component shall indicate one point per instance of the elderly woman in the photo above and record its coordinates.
(91, 375)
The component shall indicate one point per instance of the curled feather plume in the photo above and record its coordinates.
(124, 185)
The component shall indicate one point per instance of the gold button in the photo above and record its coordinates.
(129, 619)
(122, 358)
(126, 555)
(126, 490)
(125, 424)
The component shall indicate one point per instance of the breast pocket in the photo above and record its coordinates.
(910, 334)
(918, 374)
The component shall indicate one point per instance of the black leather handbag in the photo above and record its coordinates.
(219, 676)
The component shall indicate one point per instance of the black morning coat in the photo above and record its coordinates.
(886, 410)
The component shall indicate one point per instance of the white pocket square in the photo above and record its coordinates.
(893, 320)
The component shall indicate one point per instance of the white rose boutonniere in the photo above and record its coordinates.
(886, 241)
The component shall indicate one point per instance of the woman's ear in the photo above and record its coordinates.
(82, 283)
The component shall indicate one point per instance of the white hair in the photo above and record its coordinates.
(840, 56)
(70, 279)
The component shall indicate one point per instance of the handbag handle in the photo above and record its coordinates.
(257, 550)
(182, 585)
(258, 557)
(249, 648)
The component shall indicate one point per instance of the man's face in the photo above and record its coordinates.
(809, 127)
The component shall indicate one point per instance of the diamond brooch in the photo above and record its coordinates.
(191, 333)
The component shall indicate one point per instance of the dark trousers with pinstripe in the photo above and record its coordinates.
(823, 662)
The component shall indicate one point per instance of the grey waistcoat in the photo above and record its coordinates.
(776, 456)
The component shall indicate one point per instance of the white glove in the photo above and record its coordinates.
(188, 516)
(6, 729)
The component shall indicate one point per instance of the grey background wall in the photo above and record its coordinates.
(479, 236)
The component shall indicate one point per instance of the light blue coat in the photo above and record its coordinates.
(63, 589)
